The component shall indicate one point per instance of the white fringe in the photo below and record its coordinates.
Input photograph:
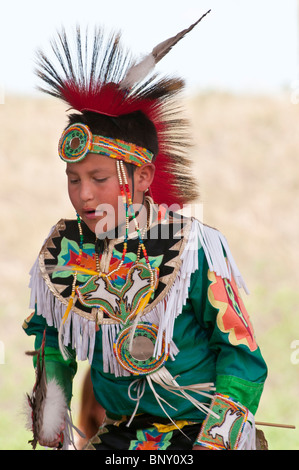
(215, 245)
(110, 364)
(69, 439)
(248, 436)
(77, 332)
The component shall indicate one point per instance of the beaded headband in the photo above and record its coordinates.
(77, 141)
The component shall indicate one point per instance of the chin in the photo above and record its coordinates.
(91, 225)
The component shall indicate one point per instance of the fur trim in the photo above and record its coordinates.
(55, 409)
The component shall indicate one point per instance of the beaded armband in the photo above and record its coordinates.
(223, 432)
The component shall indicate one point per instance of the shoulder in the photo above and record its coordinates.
(62, 227)
(215, 247)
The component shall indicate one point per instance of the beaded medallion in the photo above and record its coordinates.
(75, 143)
(120, 304)
(139, 358)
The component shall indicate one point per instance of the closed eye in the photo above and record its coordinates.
(100, 180)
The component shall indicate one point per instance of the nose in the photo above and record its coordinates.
(86, 193)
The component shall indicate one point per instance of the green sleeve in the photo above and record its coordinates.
(56, 366)
(240, 368)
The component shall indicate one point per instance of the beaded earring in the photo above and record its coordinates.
(126, 196)
(78, 260)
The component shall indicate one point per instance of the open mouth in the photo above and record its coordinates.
(89, 213)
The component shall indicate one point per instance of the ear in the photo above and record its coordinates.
(143, 177)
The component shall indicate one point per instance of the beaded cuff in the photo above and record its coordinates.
(223, 432)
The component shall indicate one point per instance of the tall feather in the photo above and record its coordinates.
(140, 70)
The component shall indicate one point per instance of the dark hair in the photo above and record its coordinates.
(134, 128)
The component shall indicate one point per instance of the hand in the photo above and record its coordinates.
(56, 443)
(196, 447)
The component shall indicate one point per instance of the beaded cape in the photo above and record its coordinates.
(51, 288)
(173, 242)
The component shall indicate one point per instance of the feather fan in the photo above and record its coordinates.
(46, 406)
(37, 399)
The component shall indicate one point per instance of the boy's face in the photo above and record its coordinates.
(94, 191)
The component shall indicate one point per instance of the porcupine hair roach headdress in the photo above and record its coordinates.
(106, 81)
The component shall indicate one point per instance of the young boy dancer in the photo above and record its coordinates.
(149, 297)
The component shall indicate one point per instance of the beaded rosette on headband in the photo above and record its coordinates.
(77, 141)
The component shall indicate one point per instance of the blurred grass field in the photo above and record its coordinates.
(246, 160)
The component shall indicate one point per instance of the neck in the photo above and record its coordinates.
(141, 215)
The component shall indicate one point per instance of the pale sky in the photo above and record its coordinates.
(242, 45)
